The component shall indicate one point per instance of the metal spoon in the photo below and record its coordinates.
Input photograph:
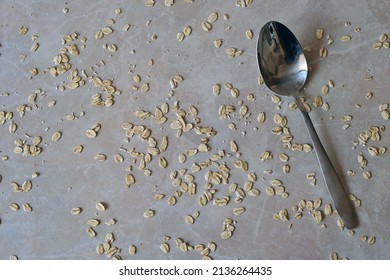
(284, 69)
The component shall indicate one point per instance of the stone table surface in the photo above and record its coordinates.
(131, 74)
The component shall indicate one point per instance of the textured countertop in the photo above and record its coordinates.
(152, 75)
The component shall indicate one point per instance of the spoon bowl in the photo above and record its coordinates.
(284, 69)
(281, 59)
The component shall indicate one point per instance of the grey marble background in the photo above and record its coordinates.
(67, 180)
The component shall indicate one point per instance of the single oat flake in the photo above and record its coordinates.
(100, 206)
(56, 136)
(323, 52)
(149, 213)
(319, 33)
(206, 26)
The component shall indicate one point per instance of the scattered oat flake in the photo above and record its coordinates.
(75, 211)
(238, 210)
(99, 249)
(90, 133)
(249, 34)
(172, 201)
(226, 234)
(112, 47)
(23, 30)
(325, 89)
(283, 215)
(346, 118)
(189, 219)
(187, 30)
(101, 206)
(93, 222)
(206, 26)
(149, 3)
(333, 256)
(56, 136)
(367, 174)
(385, 114)
(261, 117)
(132, 249)
(308, 48)
(130, 180)
(383, 38)
(319, 33)
(27, 207)
(100, 157)
(145, 88)
(212, 17)
(14, 206)
(169, 3)
(346, 38)
(126, 27)
(371, 240)
(13, 258)
(91, 232)
(180, 36)
(34, 47)
(165, 247)
(78, 149)
(118, 158)
(149, 213)
(323, 52)
(218, 43)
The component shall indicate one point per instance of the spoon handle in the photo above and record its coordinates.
(336, 190)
